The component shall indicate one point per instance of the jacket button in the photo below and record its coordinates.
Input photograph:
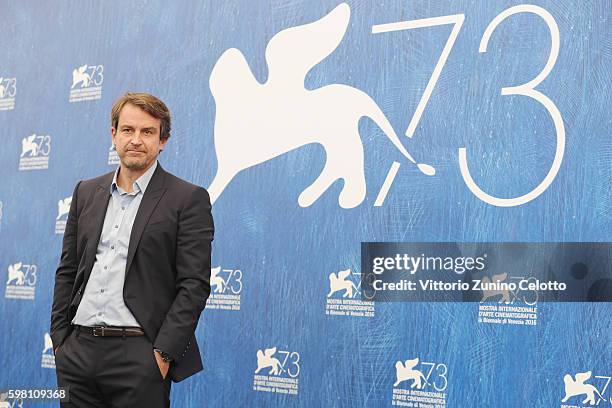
(79, 292)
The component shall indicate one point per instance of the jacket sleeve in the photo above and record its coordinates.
(65, 275)
(193, 260)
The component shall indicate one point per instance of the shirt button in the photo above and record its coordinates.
(106, 267)
(101, 290)
(123, 208)
(116, 226)
(112, 247)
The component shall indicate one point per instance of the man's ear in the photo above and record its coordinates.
(162, 144)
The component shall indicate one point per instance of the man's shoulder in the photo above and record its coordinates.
(178, 184)
(103, 180)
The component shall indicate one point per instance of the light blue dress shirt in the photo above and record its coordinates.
(102, 302)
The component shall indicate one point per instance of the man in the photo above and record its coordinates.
(134, 273)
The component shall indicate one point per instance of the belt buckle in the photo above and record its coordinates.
(97, 333)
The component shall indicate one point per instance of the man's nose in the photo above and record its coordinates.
(136, 140)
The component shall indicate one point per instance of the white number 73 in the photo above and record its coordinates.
(526, 89)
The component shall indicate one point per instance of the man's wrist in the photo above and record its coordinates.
(164, 356)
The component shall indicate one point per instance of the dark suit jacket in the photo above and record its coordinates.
(167, 278)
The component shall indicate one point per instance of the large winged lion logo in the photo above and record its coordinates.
(256, 122)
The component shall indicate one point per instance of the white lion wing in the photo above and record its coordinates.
(269, 352)
(291, 53)
(582, 377)
(342, 275)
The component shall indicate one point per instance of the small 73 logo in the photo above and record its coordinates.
(434, 375)
(226, 280)
(36, 145)
(87, 75)
(20, 274)
(287, 362)
(345, 282)
(579, 387)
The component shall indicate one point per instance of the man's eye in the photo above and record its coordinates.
(148, 132)
(127, 130)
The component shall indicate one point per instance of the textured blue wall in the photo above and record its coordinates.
(286, 252)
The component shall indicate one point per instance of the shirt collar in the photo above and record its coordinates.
(141, 182)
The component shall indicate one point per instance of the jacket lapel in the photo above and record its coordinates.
(155, 191)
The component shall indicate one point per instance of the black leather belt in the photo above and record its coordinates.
(111, 331)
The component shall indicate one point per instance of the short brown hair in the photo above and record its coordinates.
(148, 103)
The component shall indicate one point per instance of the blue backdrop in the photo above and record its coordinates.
(63, 64)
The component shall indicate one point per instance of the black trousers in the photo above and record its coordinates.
(110, 372)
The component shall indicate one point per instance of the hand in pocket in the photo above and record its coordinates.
(162, 365)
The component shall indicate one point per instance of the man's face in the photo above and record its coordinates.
(136, 138)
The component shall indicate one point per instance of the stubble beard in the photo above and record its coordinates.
(134, 163)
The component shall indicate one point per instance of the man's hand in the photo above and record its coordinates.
(55, 350)
(163, 366)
